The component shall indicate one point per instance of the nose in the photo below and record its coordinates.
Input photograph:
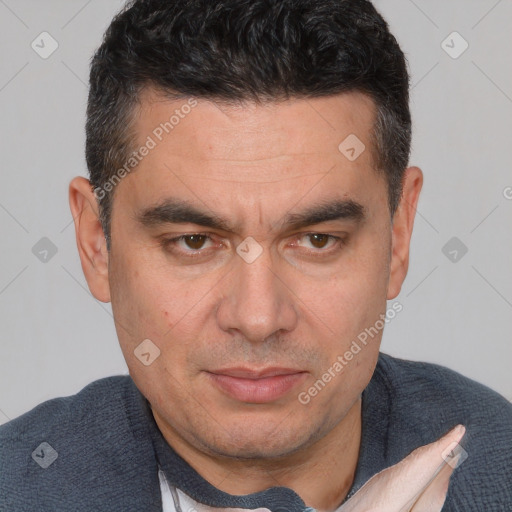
(257, 303)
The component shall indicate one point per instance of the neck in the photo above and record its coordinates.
(321, 474)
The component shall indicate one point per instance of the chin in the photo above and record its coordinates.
(254, 450)
(261, 443)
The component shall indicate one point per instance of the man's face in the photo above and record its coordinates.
(221, 318)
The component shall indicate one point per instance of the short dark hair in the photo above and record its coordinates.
(245, 50)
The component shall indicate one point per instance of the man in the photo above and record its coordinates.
(248, 214)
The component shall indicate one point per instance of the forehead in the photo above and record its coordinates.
(251, 135)
(253, 161)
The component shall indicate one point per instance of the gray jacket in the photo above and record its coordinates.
(100, 450)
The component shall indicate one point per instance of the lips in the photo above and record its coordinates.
(256, 386)
(247, 373)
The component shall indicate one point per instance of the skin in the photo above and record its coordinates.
(300, 304)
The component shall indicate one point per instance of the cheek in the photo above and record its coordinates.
(138, 300)
(150, 303)
(354, 294)
(351, 306)
(145, 307)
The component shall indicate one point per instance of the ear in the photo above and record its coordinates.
(90, 239)
(403, 222)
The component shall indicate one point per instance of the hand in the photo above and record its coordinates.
(418, 483)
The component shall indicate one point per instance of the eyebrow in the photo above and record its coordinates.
(174, 211)
(346, 209)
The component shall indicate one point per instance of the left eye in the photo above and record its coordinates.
(320, 240)
(194, 241)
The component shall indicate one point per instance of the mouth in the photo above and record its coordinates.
(256, 386)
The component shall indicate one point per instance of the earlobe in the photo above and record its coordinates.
(403, 222)
(90, 238)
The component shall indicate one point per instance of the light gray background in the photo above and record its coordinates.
(56, 338)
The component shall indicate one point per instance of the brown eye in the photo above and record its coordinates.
(195, 241)
(193, 245)
(319, 240)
